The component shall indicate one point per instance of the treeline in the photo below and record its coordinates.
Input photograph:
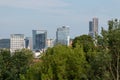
(86, 59)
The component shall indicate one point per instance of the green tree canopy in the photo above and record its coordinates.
(12, 66)
(84, 41)
(110, 43)
(62, 63)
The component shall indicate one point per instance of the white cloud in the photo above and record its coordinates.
(33, 4)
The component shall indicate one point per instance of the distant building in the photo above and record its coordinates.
(5, 43)
(17, 42)
(39, 39)
(62, 35)
(50, 42)
(91, 32)
(71, 42)
(93, 27)
(28, 43)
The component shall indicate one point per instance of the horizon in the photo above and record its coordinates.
(21, 17)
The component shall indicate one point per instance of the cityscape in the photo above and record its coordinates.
(39, 42)
(59, 40)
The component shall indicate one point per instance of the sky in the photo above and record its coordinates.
(22, 16)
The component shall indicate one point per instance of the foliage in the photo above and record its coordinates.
(84, 41)
(62, 63)
(114, 48)
(12, 66)
(109, 42)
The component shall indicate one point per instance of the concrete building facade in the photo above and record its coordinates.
(17, 42)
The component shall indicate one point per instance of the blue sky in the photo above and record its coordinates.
(22, 16)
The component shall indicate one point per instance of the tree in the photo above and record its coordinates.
(33, 72)
(110, 43)
(95, 55)
(114, 47)
(60, 63)
(11, 67)
(84, 41)
(21, 61)
(5, 64)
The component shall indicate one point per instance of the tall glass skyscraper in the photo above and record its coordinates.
(39, 39)
(17, 42)
(93, 27)
(62, 35)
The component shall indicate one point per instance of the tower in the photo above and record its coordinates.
(93, 27)
(62, 35)
(39, 39)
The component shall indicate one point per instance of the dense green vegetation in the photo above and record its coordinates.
(11, 67)
(87, 59)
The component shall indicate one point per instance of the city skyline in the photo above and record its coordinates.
(21, 17)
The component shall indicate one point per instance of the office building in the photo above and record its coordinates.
(91, 32)
(93, 27)
(17, 42)
(50, 43)
(62, 35)
(4, 43)
(39, 39)
(28, 43)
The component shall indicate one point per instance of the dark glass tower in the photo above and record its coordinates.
(39, 39)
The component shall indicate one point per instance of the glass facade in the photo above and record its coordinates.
(28, 43)
(62, 35)
(39, 39)
(90, 26)
(5, 43)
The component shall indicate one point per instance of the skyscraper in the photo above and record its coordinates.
(39, 39)
(28, 43)
(17, 42)
(62, 35)
(91, 32)
(93, 27)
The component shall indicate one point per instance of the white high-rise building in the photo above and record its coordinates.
(17, 42)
